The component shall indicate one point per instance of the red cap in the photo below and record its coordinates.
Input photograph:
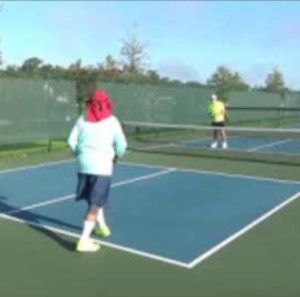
(99, 107)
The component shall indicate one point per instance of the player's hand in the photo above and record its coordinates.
(116, 159)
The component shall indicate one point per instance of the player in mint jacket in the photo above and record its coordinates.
(96, 140)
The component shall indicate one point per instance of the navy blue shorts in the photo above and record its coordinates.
(93, 188)
(218, 124)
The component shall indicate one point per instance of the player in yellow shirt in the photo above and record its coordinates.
(217, 112)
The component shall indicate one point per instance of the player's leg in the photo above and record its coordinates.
(85, 243)
(215, 137)
(223, 137)
(101, 192)
(102, 229)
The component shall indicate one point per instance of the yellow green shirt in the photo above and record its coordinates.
(216, 111)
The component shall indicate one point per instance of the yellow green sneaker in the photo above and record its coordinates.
(87, 245)
(102, 231)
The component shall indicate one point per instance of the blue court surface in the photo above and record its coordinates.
(250, 144)
(173, 215)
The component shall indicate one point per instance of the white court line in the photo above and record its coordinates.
(167, 260)
(241, 232)
(207, 138)
(258, 178)
(114, 185)
(161, 167)
(155, 146)
(196, 171)
(269, 145)
(209, 128)
(167, 169)
(196, 140)
(8, 216)
(35, 166)
(111, 245)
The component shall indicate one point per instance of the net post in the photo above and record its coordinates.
(278, 117)
(49, 145)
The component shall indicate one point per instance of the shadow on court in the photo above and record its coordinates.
(36, 222)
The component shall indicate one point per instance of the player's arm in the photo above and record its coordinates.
(226, 113)
(73, 139)
(120, 142)
(210, 110)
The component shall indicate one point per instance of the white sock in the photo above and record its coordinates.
(101, 218)
(88, 227)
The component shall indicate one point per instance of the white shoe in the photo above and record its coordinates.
(224, 145)
(214, 145)
(87, 245)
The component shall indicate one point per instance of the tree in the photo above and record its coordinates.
(1, 59)
(110, 63)
(225, 81)
(193, 84)
(165, 80)
(134, 54)
(110, 67)
(32, 65)
(11, 71)
(275, 82)
(76, 67)
(258, 88)
(47, 71)
(153, 76)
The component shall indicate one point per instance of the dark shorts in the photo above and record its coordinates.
(93, 188)
(218, 124)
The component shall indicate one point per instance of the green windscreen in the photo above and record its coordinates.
(35, 109)
(188, 105)
(164, 104)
